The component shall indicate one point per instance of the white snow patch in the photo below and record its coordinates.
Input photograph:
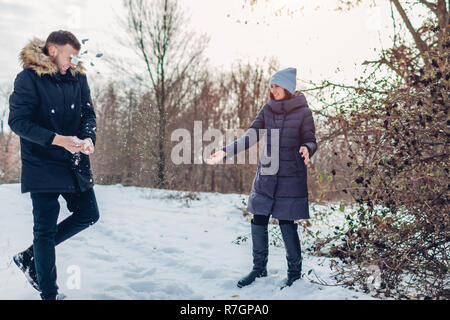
(155, 244)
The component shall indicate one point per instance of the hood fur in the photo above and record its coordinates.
(34, 58)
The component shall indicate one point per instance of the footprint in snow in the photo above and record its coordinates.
(140, 275)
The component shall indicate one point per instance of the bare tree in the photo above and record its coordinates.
(170, 54)
(106, 158)
(393, 125)
(9, 142)
(248, 91)
(5, 91)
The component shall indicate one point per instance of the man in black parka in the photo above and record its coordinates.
(52, 112)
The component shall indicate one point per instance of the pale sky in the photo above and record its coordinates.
(315, 41)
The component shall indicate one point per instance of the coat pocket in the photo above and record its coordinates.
(49, 153)
(300, 161)
(265, 184)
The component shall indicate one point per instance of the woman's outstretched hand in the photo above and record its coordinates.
(305, 153)
(216, 157)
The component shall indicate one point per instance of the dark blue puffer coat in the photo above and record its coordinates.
(283, 193)
(45, 103)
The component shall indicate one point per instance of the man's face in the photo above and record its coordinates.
(62, 56)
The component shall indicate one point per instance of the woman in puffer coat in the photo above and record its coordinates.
(283, 192)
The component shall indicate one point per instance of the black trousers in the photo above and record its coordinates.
(264, 220)
(47, 233)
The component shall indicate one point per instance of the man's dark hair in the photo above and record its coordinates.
(61, 37)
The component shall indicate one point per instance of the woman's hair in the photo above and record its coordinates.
(287, 95)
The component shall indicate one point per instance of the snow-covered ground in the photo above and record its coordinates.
(154, 244)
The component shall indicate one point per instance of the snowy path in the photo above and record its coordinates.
(146, 246)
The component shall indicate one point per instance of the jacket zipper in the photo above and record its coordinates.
(279, 142)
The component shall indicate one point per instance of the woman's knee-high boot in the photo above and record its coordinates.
(260, 239)
(293, 252)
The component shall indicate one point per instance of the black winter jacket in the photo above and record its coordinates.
(45, 103)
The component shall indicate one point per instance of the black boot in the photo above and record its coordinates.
(293, 252)
(260, 239)
(49, 297)
(25, 261)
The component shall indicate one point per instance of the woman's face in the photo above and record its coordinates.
(277, 91)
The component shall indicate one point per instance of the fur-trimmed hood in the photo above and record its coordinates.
(33, 57)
